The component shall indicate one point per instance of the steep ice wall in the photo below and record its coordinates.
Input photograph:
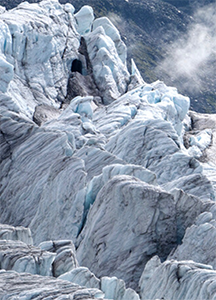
(199, 241)
(61, 169)
(38, 45)
(40, 42)
(14, 285)
(178, 280)
(20, 261)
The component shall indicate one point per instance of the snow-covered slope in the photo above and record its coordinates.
(92, 154)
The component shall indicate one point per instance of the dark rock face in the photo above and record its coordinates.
(44, 113)
(80, 85)
(83, 51)
(81, 80)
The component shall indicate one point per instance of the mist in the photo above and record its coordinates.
(191, 59)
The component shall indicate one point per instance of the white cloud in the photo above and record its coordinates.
(192, 56)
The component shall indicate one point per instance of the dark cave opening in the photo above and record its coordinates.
(76, 66)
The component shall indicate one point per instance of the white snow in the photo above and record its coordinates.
(194, 151)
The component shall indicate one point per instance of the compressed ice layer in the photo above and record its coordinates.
(32, 42)
(13, 285)
(65, 259)
(17, 256)
(199, 241)
(178, 280)
(84, 18)
(123, 207)
(111, 75)
(111, 171)
(82, 276)
(114, 34)
(83, 171)
(6, 74)
(115, 288)
(8, 232)
(202, 140)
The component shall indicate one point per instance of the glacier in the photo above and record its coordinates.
(107, 183)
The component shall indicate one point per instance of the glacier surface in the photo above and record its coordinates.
(107, 182)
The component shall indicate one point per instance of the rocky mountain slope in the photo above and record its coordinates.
(107, 182)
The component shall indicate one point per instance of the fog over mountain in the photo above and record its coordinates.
(191, 59)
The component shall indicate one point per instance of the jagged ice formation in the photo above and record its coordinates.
(99, 166)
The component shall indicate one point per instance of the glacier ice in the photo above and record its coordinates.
(12, 233)
(199, 241)
(14, 285)
(111, 75)
(84, 19)
(108, 172)
(114, 288)
(113, 213)
(114, 34)
(194, 151)
(153, 140)
(94, 155)
(34, 49)
(114, 210)
(202, 123)
(135, 78)
(65, 258)
(44, 175)
(17, 256)
(53, 258)
(69, 8)
(202, 140)
(6, 74)
(178, 280)
(49, 46)
(82, 276)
